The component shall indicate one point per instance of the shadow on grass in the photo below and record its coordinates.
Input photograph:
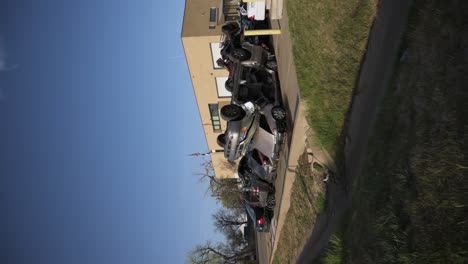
(338, 197)
(409, 206)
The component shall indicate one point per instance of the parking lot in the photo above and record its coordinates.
(240, 65)
(295, 143)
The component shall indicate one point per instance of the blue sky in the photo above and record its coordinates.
(97, 116)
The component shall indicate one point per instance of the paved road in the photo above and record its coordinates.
(376, 72)
(262, 253)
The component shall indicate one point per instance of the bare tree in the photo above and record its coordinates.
(229, 218)
(224, 190)
(234, 249)
(228, 221)
(209, 253)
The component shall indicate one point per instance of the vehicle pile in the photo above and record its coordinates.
(256, 119)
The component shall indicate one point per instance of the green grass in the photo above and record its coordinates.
(410, 204)
(334, 253)
(321, 202)
(329, 41)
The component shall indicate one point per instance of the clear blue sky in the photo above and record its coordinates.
(97, 116)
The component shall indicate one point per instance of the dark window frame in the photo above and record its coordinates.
(213, 12)
(215, 117)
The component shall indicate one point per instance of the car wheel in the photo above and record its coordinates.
(271, 202)
(229, 84)
(240, 54)
(273, 190)
(232, 112)
(278, 113)
(221, 140)
(281, 127)
(272, 65)
(230, 28)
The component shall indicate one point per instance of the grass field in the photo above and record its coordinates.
(410, 204)
(329, 41)
(307, 201)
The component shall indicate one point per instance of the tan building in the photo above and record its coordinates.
(200, 37)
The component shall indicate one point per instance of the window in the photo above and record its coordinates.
(220, 85)
(215, 120)
(215, 54)
(213, 14)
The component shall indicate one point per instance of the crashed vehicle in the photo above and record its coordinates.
(256, 191)
(255, 164)
(252, 84)
(258, 197)
(242, 123)
(253, 51)
(239, 51)
(260, 216)
(255, 111)
(230, 35)
(248, 122)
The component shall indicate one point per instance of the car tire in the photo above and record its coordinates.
(273, 190)
(281, 127)
(221, 140)
(278, 113)
(229, 84)
(271, 65)
(230, 28)
(271, 202)
(240, 54)
(232, 112)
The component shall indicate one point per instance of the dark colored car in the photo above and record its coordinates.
(255, 102)
(261, 217)
(230, 36)
(255, 84)
(254, 197)
(237, 52)
(248, 51)
(256, 191)
(256, 163)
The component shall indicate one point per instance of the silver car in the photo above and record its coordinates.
(242, 123)
(248, 122)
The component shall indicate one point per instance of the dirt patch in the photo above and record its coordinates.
(307, 201)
